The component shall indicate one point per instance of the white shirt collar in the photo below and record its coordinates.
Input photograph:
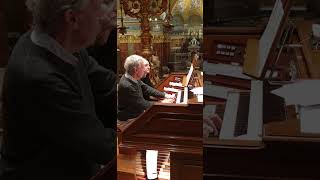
(42, 39)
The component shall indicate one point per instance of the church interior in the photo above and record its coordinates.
(169, 34)
(245, 61)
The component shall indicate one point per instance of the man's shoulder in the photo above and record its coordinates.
(124, 81)
(126, 84)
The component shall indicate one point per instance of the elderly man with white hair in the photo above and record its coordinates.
(131, 89)
(51, 127)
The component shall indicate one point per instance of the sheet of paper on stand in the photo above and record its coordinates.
(224, 69)
(270, 33)
(197, 90)
(309, 119)
(217, 91)
(200, 97)
(304, 92)
(316, 30)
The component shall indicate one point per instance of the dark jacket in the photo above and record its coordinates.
(51, 127)
(131, 102)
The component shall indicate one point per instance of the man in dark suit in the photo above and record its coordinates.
(131, 90)
(51, 127)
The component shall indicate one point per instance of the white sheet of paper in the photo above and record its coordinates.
(255, 116)
(197, 90)
(217, 91)
(304, 92)
(316, 30)
(309, 119)
(230, 116)
(269, 34)
(224, 69)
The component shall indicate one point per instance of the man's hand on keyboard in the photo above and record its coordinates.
(212, 125)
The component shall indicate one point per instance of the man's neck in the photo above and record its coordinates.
(66, 42)
(134, 77)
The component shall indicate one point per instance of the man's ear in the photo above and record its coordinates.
(71, 19)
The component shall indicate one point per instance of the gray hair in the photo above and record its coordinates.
(145, 61)
(47, 14)
(132, 63)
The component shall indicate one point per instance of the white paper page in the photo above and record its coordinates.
(224, 69)
(185, 95)
(255, 111)
(230, 116)
(316, 30)
(197, 90)
(189, 75)
(304, 92)
(200, 97)
(178, 97)
(217, 91)
(309, 120)
(269, 34)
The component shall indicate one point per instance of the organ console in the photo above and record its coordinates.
(174, 129)
(260, 136)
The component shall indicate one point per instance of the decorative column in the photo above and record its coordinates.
(143, 10)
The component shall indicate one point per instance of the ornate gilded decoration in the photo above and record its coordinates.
(143, 10)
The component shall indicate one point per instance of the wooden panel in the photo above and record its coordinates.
(226, 81)
(148, 132)
(275, 162)
(186, 166)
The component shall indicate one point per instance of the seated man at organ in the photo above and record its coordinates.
(131, 90)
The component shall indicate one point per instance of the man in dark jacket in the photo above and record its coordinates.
(51, 129)
(131, 90)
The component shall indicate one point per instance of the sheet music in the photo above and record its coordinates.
(255, 119)
(230, 116)
(224, 69)
(303, 92)
(178, 97)
(189, 75)
(217, 91)
(269, 34)
(316, 30)
(185, 95)
(309, 119)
